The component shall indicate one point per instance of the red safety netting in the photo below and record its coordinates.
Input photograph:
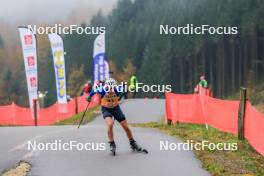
(16, 115)
(221, 114)
(184, 108)
(202, 109)
(254, 128)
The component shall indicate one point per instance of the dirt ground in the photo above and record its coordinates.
(20, 170)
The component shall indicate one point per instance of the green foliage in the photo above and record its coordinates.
(133, 33)
(180, 59)
(76, 80)
(1, 42)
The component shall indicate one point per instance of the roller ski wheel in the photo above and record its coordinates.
(112, 148)
(144, 151)
(141, 150)
(136, 148)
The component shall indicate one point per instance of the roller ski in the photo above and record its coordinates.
(112, 148)
(134, 146)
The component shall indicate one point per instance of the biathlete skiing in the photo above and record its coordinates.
(110, 95)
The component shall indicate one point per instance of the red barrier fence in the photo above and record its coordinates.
(220, 114)
(16, 115)
(254, 128)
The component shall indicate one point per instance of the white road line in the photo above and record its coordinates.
(22, 145)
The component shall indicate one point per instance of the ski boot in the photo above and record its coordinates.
(134, 146)
(112, 147)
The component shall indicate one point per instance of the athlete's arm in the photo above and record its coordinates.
(120, 92)
(91, 94)
(99, 91)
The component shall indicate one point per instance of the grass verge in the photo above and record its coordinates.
(245, 161)
(74, 120)
(9, 125)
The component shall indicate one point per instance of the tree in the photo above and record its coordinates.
(77, 79)
(1, 42)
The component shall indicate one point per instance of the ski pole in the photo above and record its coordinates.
(83, 115)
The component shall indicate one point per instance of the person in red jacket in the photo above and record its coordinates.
(87, 88)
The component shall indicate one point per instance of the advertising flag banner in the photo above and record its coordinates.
(56, 43)
(29, 49)
(101, 67)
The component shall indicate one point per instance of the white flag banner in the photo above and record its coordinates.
(29, 49)
(101, 67)
(99, 45)
(56, 43)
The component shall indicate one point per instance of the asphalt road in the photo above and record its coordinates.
(14, 144)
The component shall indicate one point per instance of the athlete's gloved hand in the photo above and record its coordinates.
(89, 99)
(120, 96)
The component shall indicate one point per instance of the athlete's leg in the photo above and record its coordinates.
(127, 129)
(110, 124)
(132, 142)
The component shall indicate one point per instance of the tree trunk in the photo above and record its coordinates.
(233, 67)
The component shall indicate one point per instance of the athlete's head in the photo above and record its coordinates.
(89, 82)
(202, 77)
(110, 83)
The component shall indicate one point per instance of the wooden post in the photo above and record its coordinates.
(241, 112)
(76, 105)
(35, 108)
(168, 122)
(177, 122)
